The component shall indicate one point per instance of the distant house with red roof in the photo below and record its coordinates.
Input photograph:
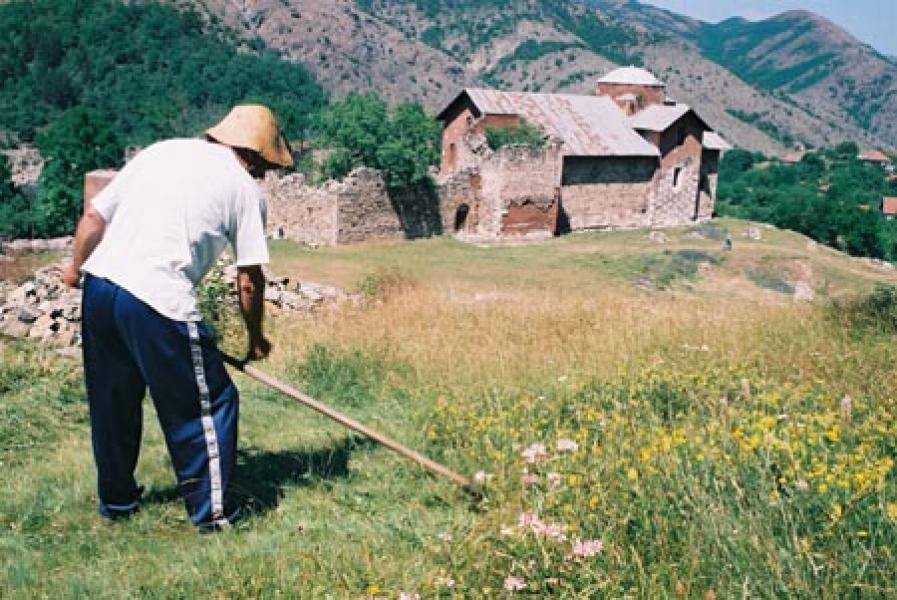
(876, 157)
(889, 207)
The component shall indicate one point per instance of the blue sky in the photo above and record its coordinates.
(872, 21)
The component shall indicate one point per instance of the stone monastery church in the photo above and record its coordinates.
(625, 157)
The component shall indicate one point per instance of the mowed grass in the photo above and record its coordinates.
(716, 437)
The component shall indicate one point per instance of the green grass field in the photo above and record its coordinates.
(652, 421)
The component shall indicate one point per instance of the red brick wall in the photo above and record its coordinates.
(452, 137)
(462, 123)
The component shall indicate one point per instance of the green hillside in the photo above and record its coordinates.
(152, 71)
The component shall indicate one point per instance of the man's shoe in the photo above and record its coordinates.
(111, 513)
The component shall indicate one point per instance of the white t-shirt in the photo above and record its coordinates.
(169, 214)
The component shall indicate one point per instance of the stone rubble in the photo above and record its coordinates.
(43, 308)
(18, 247)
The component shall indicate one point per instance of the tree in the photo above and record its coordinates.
(80, 141)
(13, 217)
(363, 132)
(411, 149)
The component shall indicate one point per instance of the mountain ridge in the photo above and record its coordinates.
(427, 50)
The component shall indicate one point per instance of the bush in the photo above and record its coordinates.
(523, 134)
(875, 311)
(384, 283)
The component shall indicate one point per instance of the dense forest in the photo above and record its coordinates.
(830, 196)
(84, 79)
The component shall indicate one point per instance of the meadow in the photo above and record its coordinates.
(648, 421)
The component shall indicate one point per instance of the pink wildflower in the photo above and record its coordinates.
(535, 453)
(480, 477)
(554, 479)
(586, 549)
(528, 520)
(567, 445)
(409, 596)
(515, 583)
(529, 479)
(555, 532)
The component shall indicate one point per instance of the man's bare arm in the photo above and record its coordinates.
(251, 284)
(88, 235)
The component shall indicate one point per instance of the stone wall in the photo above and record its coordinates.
(365, 210)
(357, 209)
(511, 194)
(676, 198)
(613, 192)
(301, 212)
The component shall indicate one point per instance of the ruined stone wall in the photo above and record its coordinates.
(612, 192)
(511, 194)
(357, 209)
(520, 188)
(365, 210)
(459, 202)
(300, 212)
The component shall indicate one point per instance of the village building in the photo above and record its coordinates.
(876, 157)
(889, 207)
(625, 157)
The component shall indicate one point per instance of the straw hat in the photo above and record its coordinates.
(254, 127)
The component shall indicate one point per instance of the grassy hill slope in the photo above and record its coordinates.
(713, 448)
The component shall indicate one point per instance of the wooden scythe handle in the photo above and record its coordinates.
(423, 461)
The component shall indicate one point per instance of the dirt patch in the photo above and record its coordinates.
(18, 269)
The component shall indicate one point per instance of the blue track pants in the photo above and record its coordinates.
(128, 347)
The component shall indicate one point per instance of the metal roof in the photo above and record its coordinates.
(658, 117)
(588, 125)
(714, 141)
(875, 156)
(631, 76)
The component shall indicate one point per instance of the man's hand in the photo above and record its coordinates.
(251, 284)
(258, 349)
(71, 276)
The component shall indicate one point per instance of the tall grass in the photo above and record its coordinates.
(633, 445)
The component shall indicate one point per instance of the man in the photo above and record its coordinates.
(144, 245)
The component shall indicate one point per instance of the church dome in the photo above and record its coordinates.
(631, 76)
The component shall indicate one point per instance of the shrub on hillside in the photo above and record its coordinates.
(876, 310)
(523, 134)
